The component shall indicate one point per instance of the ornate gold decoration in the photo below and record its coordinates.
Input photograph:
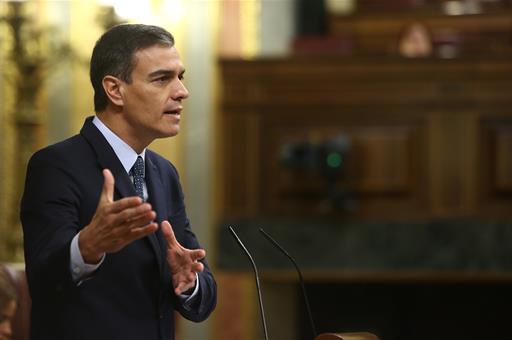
(33, 51)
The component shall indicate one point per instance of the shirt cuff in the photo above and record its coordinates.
(188, 299)
(79, 269)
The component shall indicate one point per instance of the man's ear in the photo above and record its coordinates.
(112, 87)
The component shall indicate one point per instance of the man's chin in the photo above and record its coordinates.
(167, 134)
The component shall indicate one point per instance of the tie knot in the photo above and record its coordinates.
(138, 167)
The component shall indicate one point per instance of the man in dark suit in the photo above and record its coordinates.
(102, 259)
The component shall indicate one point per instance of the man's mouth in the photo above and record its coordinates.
(175, 111)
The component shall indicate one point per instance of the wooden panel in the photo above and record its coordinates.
(240, 164)
(495, 189)
(498, 138)
(503, 159)
(427, 136)
(453, 141)
(350, 82)
(382, 164)
(382, 159)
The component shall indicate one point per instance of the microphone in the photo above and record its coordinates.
(258, 288)
(323, 336)
(301, 279)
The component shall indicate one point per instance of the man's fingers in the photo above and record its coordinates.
(107, 193)
(122, 238)
(140, 232)
(133, 213)
(168, 233)
(183, 286)
(123, 204)
(180, 289)
(197, 267)
(141, 220)
(197, 254)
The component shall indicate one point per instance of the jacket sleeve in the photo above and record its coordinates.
(49, 215)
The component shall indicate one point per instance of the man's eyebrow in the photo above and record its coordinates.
(164, 73)
(160, 73)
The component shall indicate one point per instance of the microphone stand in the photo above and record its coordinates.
(301, 279)
(262, 313)
(323, 336)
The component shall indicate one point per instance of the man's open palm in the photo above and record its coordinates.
(183, 262)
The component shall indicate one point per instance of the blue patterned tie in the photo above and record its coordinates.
(138, 177)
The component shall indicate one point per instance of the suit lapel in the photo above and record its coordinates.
(107, 159)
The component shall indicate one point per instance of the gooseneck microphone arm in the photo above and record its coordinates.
(262, 312)
(301, 279)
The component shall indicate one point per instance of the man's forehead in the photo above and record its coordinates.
(158, 57)
(157, 52)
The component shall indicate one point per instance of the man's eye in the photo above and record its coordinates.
(162, 79)
(181, 77)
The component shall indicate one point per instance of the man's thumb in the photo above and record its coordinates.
(107, 193)
(168, 233)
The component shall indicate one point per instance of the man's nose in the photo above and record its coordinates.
(181, 92)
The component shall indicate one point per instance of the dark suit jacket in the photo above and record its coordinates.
(130, 296)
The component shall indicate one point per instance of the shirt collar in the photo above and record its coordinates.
(123, 151)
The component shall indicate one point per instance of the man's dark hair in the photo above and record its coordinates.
(114, 54)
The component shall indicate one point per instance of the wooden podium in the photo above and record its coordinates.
(347, 336)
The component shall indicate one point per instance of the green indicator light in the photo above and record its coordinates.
(334, 160)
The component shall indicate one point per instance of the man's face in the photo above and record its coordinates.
(6, 315)
(152, 102)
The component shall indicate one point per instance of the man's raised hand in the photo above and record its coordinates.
(183, 262)
(115, 224)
